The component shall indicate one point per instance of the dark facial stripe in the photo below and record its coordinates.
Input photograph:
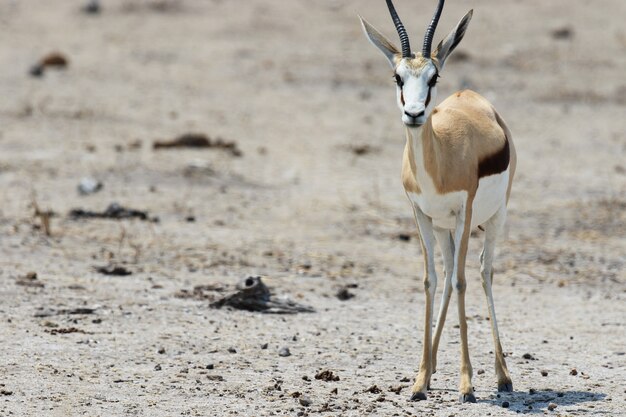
(402, 97)
(427, 98)
(495, 163)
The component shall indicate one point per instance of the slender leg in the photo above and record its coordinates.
(461, 238)
(444, 238)
(492, 228)
(430, 286)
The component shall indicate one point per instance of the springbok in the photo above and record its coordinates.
(457, 171)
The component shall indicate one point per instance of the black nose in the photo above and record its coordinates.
(414, 115)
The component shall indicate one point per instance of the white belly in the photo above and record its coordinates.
(443, 208)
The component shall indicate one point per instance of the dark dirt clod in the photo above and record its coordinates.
(232, 350)
(528, 356)
(215, 377)
(295, 394)
(343, 294)
(405, 237)
(198, 140)
(327, 375)
(115, 270)
(565, 32)
(29, 280)
(480, 371)
(264, 346)
(6, 392)
(363, 149)
(573, 372)
(114, 212)
(552, 406)
(157, 367)
(65, 330)
(397, 389)
(505, 404)
(252, 294)
(210, 366)
(284, 352)
(305, 378)
(52, 60)
(544, 372)
(334, 390)
(47, 312)
(373, 390)
(93, 7)
(161, 351)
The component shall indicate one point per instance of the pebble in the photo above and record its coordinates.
(157, 368)
(264, 346)
(573, 372)
(505, 404)
(544, 372)
(284, 352)
(89, 185)
(232, 350)
(305, 401)
(161, 351)
(552, 406)
(210, 366)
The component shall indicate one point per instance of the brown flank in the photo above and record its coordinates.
(495, 163)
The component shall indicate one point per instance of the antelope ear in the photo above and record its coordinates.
(378, 40)
(446, 46)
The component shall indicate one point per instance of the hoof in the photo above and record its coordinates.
(418, 396)
(505, 387)
(467, 398)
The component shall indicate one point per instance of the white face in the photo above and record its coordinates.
(416, 89)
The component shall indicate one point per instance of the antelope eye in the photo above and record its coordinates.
(399, 80)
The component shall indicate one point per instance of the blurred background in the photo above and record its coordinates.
(260, 137)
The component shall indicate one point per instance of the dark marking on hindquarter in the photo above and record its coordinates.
(495, 163)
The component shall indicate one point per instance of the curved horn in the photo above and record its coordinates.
(404, 38)
(430, 32)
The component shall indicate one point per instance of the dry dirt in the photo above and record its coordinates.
(313, 204)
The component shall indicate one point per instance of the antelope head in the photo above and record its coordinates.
(416, 74)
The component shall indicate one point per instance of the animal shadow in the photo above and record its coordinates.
(537, 401)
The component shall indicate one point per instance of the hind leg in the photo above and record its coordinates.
(492, 229)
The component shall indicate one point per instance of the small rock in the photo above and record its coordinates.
(161, 350)
(6, 392)
(552, 406)
(544, 372)
(157, 368)
(284, 352)
(528, 356)
(480, 371)
(573, 372)
(264, 346)
(210, 366)
(305, 378)
(305, 401)
(232, 350)
(505, 404)
(334, 391)
(89, 185)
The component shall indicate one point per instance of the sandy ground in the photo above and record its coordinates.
(314, 204)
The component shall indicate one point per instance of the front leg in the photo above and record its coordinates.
(427, 240)
(461, 239)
